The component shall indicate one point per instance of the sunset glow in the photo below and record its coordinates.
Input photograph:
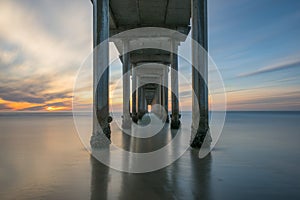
(53, 108)
(39, 66)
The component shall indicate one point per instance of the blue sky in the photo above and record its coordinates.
(255, 44)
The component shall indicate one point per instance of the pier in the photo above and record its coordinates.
(147, 72)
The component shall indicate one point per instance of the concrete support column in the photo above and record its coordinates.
(141, 99)
(199, 80)
(160, 96)
(134, 91)
(101, 118)
(175, 122)
(126, 123)
(159, 92)
(165, 93)
(157, 100)
(134, 95)
(144, 100)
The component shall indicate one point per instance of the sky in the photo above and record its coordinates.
(255, 45)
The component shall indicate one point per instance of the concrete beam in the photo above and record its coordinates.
(138, 11)
(112, 19)
(136, 59)
(183, 29)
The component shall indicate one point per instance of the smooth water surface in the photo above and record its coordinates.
(257, 157)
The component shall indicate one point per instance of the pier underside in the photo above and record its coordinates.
(146, 72)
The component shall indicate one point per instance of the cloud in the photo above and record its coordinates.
(35, 92)
(42, 44)
(4, 107)
(50, 107)
(46, 47)
(273, 68)
(185, 94)
(35, 89)
(265, 98)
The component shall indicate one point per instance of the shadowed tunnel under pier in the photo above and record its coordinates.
(141, 67)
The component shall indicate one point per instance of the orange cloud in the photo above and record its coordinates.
(56, 108)
(18, 105)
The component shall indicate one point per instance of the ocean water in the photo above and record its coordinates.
(257, 157)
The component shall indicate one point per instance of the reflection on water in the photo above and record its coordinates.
(183, 180)
(41, 158)
(257, 157)
(142, 145)
(135, 154)
(187, 178)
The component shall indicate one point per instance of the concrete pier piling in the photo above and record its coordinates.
(110, 18)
